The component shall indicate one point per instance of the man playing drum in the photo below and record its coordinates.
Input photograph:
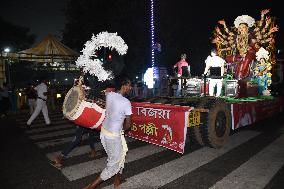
(118, 118)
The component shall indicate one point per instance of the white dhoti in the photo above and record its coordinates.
(116, 149)
(32, 105)
(40, 106)
(212, 84)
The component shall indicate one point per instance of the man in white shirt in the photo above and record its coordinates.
(118, 118)
(214, 61)
(40, 103)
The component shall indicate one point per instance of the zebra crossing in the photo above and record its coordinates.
(150, 166)
(262, 166)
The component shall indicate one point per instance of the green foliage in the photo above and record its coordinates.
(14, 36)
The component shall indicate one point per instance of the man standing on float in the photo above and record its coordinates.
(216, 66)
(180, 65)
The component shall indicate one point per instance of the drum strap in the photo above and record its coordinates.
(41, 98)
(123, 143)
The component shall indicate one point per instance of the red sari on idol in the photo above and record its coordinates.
(242, 70)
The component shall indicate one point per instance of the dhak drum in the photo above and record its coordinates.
(81, 112)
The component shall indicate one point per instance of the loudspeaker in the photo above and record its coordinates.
(231, 87)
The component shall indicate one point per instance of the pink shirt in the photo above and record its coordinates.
(110, 89)
(180, 64)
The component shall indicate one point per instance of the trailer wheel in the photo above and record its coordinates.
(195, 132)
(216, 130)
(195, 135)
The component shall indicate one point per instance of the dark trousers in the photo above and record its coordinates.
(5, 104)
(80, 131)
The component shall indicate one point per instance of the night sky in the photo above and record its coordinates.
(194, 20)
(42, 17)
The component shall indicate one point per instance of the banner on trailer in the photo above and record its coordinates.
(160, 124)
(247, 113)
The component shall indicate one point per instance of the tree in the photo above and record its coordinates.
(14, 36)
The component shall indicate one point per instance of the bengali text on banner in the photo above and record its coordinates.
(160, 124)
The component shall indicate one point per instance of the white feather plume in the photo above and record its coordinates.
(89, 61)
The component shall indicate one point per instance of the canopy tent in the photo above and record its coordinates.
(49, 50)
(48, 55)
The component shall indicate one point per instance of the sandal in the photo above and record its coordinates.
(56, 165)
(88, 186)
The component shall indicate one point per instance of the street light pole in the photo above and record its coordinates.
(7, 51)
(9, 75)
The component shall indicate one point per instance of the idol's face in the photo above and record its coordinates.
(243, 29)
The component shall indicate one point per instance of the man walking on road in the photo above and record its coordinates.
(80, 131)
(40, 103)
(118, 118)
(31, 96)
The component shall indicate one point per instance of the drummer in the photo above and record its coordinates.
(215, 69)
(118, 118)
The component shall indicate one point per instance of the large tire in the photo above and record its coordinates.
(195, 135)
(216, 130)
(195, 132)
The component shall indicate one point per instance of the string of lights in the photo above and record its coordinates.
(152, 34)
(149, 74)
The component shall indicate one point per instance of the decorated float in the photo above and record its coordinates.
(249, 50)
